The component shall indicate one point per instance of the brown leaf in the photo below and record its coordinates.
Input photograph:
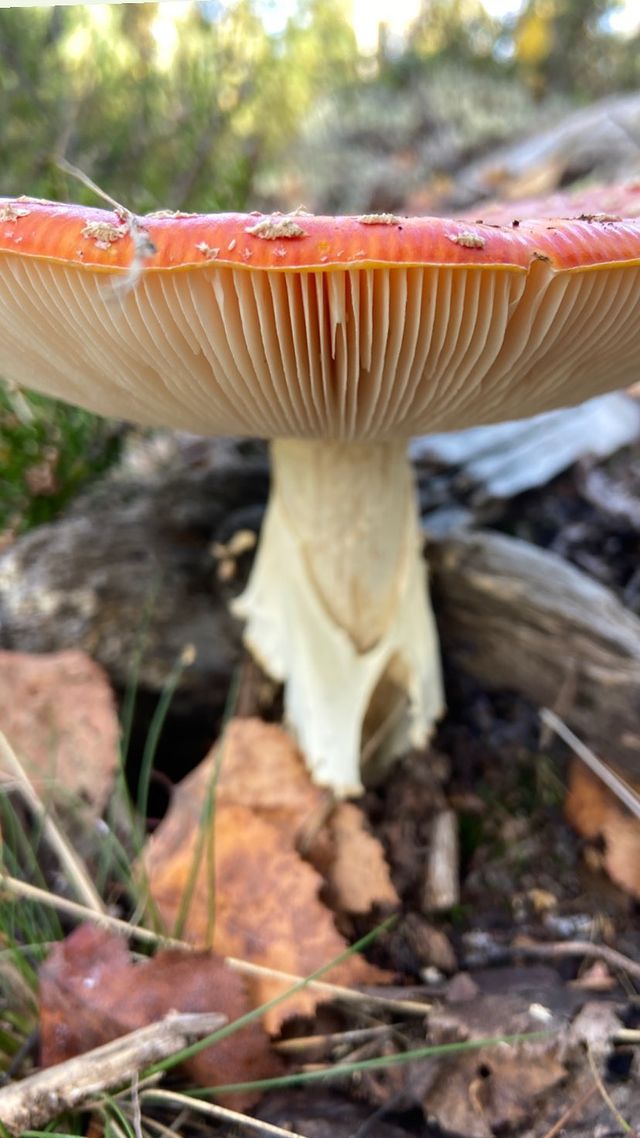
(91, 992)
(265, 896)
(595, 812)
(358, 875)
(490, 1091)
(59, 715)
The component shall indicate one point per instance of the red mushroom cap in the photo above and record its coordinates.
(295, 325)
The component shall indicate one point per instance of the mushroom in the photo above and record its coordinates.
(339, 339)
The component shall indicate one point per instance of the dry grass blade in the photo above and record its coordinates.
(627, 1035)
(12, 886)
(604, 1094)
(300, 1043)
(143, 247)
(75, 172)
(625, 793)
(34, 1101)
(74, 869)
(233, 1117)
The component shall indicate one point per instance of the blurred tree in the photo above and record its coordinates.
(454, 31)
(163, 105)
(566, 46)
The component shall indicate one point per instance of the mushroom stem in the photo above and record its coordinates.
(337, 605)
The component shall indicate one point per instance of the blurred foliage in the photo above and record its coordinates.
(567, 46)
(200, 106)
(385, 143)
(47, 452)
(159, 104)
(216, 106)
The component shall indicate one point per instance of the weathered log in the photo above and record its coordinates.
(128, 574)
(518, 617)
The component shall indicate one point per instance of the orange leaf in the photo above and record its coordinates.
(595, 812)
(263, 903)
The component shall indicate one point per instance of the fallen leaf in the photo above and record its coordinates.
(491, 1091)
(262, 903)
(595, 812)
(58, 712)
(358, 874)
(91, 991)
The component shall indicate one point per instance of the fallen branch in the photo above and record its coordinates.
(34, 1101)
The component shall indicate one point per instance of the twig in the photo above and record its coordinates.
(34, 1101)
(233, 1117)
(15, 887)
(620, 788)
(69, 860)
(558, 949)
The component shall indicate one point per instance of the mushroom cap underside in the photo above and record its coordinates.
(293, 325)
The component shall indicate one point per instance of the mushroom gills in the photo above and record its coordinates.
(337, 604)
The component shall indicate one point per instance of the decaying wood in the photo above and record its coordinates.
(34, 1101)
(517, 617)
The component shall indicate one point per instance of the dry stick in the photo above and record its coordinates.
(620, 788)
(610, 956)
(34, 1101)
(214, 1111)
(15, 887)
(75, 871)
